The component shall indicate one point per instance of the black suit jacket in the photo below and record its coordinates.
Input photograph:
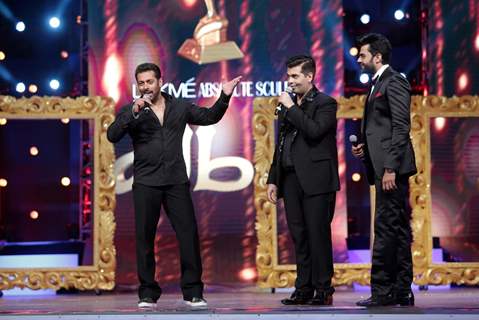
(386, 125)
(313, 151)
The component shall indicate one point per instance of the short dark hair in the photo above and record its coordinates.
(144, 67)
(306, 62)
(377, 44)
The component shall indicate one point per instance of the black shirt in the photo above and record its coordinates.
(290, 131)
(158, 151)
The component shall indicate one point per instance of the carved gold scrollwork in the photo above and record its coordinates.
(100, 275)
(272, 275)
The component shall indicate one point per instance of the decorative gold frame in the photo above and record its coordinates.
(273, 275)
(100, 275)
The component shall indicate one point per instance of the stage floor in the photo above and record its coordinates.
(434, 304)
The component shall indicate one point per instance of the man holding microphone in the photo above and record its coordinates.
(156, 123)
(304, 172)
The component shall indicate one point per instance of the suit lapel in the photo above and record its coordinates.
(369, 105)
(379, 84)
(365, 112)
(307, 104)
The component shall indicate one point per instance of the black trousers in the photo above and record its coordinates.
(309, 221)
(391, 270)
(176, 200)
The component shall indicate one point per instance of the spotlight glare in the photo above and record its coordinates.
(189, 3)
(54, 84)
(3, 183)
(364, 78)
(64, 54)
(439, 123)
(353, 51)
(3, 121)
(248, 274)
(65, 181)
(477, 42)
(20, 87)
(399, 14)
(54, 22)
(356, 177)
(463, 81)
(65, 120)
(20, 26)
(32, 88)
(2, 55)
(365, 18)
(34, 214)
(34, 151)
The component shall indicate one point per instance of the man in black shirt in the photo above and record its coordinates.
(156, 123)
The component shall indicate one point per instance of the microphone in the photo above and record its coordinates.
(354, 140)
(367, 162)
(146, 106)
(280, 106)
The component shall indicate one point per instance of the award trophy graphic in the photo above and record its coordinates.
(209, 43)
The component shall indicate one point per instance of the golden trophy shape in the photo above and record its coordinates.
(209, 42)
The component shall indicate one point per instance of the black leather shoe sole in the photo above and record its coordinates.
(405, 302)
(292, 302)
(371, 303)
(326, 301)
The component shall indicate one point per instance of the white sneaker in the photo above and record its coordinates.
(146, 303)
(196, 302)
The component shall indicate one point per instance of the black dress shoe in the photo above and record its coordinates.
(322, 299)
(297, 298)
(405, 300)
(377, 301)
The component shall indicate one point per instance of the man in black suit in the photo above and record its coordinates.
(389, 158)
(305, 172)
(156, 123)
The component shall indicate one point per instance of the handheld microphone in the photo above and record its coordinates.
(354, 140)
(367, 162)
(147, 106)
(280, 106)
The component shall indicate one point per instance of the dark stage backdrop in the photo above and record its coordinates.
(453, 69)
(453, 47)
(123, 34)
